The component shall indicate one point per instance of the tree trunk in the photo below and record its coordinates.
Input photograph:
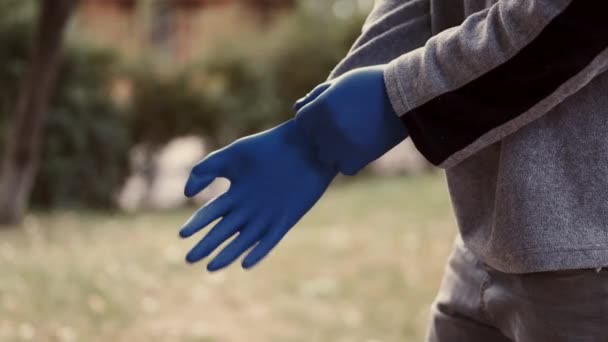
(23, 145)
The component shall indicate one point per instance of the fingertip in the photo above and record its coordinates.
(316, 92)
(190, 258)
(189, 193)
(196, 184)
(254, 257)
(248, 263)
(184, 233)
(190, 227)
(298, 104)
(214, 266)
(196, 254)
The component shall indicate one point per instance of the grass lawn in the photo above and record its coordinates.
(364, 265)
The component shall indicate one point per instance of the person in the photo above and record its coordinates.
(510, 98)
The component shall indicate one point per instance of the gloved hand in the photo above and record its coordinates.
(275, 178)
(350, 119)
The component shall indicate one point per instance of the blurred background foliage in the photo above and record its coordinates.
(143, 91)
(16, 26)
(86, 150)
(107, 102)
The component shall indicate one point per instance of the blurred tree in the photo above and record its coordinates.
(15, 37)
(22, 154)
(85, 155)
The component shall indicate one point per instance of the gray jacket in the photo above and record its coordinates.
(511, 98)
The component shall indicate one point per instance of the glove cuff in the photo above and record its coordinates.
(353, 123)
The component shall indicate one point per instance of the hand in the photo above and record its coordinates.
(275, 179)
(350, 119)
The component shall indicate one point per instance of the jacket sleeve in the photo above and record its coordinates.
(393, 28)
(473, 84)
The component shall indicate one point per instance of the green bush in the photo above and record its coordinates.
(254, 81)
(309, 45)
(243, 85)
(168, 105)
(86, 143)
(243, 92)
(240, 87)
(15, 37)
(86, 149)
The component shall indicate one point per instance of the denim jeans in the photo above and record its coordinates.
(478, 303)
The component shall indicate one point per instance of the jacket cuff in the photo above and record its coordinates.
(397, 89)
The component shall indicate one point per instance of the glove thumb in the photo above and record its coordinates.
(320, 89)
(204, 173)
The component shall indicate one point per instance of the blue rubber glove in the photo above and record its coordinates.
(350, 119)
(275, 178)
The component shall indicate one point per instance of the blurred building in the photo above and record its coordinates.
(174, 29)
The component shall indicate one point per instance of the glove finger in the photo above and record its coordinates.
(213, 210)
(268, 242)
(246, 238)
(205, 172)
(222, 231)
(320, 89)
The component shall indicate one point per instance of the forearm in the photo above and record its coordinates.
(502, 68)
